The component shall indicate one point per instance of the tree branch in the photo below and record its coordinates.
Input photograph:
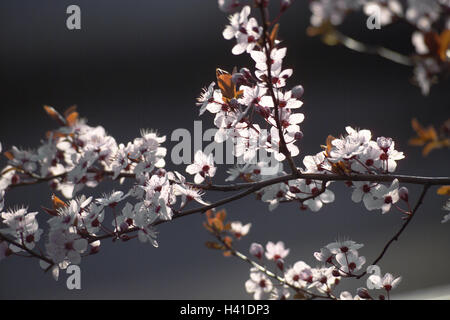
(267, 272)
(403, 227)
(31, 252)
(383, 52)
(267, 48)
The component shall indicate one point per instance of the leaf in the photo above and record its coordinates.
(328, 145)
(55, 115)
(228, 241)
(227, 254)
(72, 119)
(226, 86)
(330, 38)
(427, 137)
(435, 145)
(213, 245)
(71, 116)
(423, 134)
(443, 191)
(274, 34)
(51, 212)
(322, 29)
(208, 227)
(444, 45)
(70, 110)
(218, 225)
(215, 222)
(8, 155)
(58, 203)
(300, 296)
(222, 214)
(430, 147)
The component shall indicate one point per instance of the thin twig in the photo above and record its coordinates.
(267, 48)
(403, 227)
(267, 272)
(31, 252)
(383, 52)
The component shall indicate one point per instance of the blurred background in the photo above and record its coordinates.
(141, 64)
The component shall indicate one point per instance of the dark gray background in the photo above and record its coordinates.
(141, 64)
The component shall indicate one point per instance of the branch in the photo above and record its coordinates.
(282, 144)
(403, 227)
(297, 175)
(267, 272)
(31, 252)
(385, 53)
(332, 177)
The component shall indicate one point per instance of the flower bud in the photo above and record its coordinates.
(403, 193)
(363, 293)
(336, 273)
(297, 91)
(280, 264)
(123, 226)
(15, 179)
(95, 247)
(285, 4)
(228, 6)
(256, 250)
(264, 3)
(298, 135)
(246, 73)
(384, 143)
(238, 78)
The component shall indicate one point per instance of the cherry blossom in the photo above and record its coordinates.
(239, 230)
(202, 167)
(387, 282)
(258, 284)
(256, 250)
(247, 37)
(276, 251)
(385, 197)
(350, 262)
(299, 275)
(23, 226)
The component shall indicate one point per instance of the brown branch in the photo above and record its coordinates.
(403, 227)
(297, 175)
(333, 177)
(267, 272)
(361, 47)
(267, 48)
(31, 252)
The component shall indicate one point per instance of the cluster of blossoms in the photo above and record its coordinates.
(78, 155)
(258, 113)
(338, 260)
(242, 95)
(357, 153)
(430, 19)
